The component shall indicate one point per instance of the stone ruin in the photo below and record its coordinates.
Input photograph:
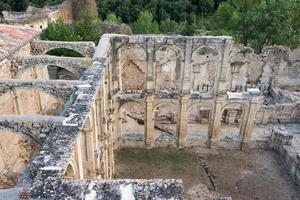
(139, 91)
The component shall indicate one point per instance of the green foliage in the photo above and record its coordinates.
(88, 28)
(112, 17)
(259, 22)
(59, 31)
(146, 24)
(271, 22)
(170, 26)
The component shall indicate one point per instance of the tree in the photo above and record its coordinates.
(170, 26)
(112, 17)
(146, 24)
(19, 5)
(59, 31)
(88, 28)
(271, 22)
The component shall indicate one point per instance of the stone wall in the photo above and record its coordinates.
(281, 142)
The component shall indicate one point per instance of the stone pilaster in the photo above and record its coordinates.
(149, 125)
(150, 67)
(249, 122)
(186, 81)
(183, 120)
(215, 121)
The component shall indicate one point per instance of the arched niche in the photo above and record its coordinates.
(232, 120)
(165, 121)
(204, 65)
(131, 118)
(71, 171)
(132, 61)
(168, 64)
(199, 115)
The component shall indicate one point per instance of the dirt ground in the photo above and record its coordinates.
(242, 175)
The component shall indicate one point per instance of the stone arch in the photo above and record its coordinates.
(131, 120)
(130, 45)
(168, 66)
(75, 51)
(131, 101)
(166, 121)
(232, 119)
(132, 62)
(57, 64)
(205, 105)
(235, 105)
(216, 49)
(199, 119)
(174, 105)
(23, 134)
(175, 47)
(204, 64)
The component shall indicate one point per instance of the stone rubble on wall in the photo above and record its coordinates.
(35, 128)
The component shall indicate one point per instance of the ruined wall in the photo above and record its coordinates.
(211, 85)
(16, 151)
(39, 18)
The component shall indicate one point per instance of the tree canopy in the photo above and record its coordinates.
(251, 22)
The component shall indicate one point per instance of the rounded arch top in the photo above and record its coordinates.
(175, 106)
(204, 49)
(132, 102)
(177, 49)
(235, 105)
(132, 45)
(204, 105)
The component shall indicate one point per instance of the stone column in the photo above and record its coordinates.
(249, 122)
(150, 66)
(215, 121)
(183, 120)
(149, 121)
(186, 81)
